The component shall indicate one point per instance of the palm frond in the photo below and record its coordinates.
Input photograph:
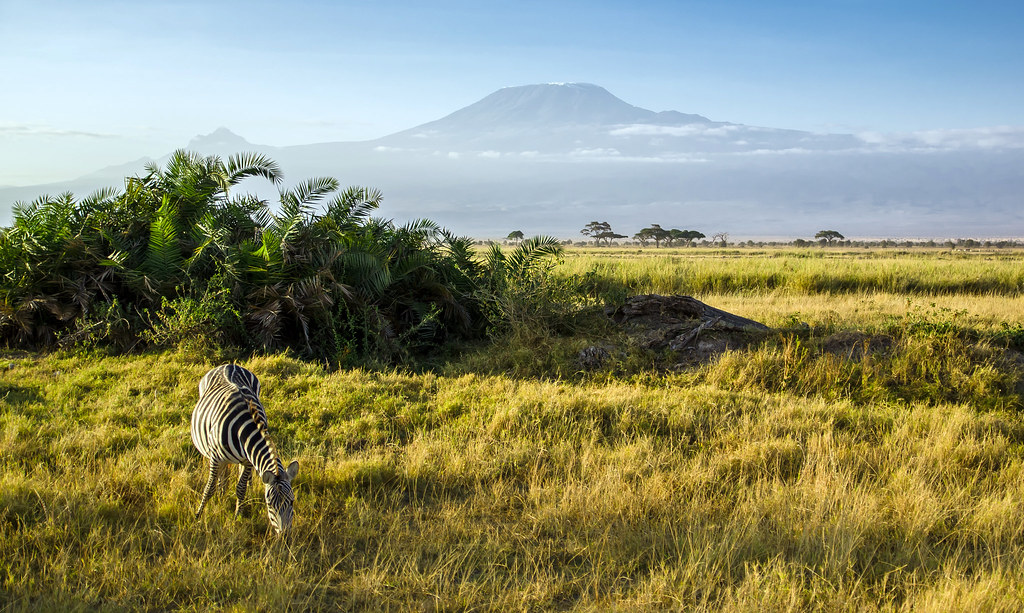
(421, 227)
(244, 165)
(211, 239)
(261, 217)
(409, 264)
(353, 205)
(99, 201)
(101, 197)
(367, 274)
(308, 192)
(525, 258)
(152, 170)
(163, 257)
(495, 257)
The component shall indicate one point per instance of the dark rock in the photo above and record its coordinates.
(593, 357)
(693, 330)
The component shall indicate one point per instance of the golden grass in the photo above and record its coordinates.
(781, 477)
(424, 491)
(802, 271)
(868, 310)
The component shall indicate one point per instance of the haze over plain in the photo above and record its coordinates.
(937, 86)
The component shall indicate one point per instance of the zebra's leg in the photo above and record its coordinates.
(244, 474)
(223, 477)
(211, 482)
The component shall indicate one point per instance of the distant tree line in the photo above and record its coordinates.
(602, 234)
(884, 243)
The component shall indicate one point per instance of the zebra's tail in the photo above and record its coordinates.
(262, 427)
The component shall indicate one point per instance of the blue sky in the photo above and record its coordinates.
(88, 84)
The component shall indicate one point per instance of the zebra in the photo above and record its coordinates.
(229, 426)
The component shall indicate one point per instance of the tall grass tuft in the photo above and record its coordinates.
(939, 368)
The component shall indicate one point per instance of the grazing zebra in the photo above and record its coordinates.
(229, 426)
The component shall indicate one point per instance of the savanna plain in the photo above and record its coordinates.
(866, 454)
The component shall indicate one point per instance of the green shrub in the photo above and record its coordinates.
(210, 321)
(105, 324)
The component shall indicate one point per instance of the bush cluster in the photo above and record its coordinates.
(180, 257)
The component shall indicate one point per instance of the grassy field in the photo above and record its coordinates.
(811, 271)
(867, 455)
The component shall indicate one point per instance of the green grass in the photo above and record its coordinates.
(870, 460)
(802, 271)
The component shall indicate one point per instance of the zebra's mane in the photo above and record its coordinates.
(266, 435)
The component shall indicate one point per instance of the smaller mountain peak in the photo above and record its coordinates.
(220, 138)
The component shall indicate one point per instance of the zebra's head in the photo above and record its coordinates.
(277, 489)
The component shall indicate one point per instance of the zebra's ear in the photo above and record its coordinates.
(268, 477)
(292, 469)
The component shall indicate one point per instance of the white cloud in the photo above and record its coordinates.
(788, 151)
(601, 152)
(614, 155)
(32, 130)
(998, 137)
(490, 154)
(991, 138)
(872, 138)
(693, 129)
(652, 130)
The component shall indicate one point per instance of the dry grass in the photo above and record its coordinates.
(424, 492)
(801, 271)
(782, 477)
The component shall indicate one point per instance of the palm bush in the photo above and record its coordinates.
(178, 254)
(519, 293)
(53, 265)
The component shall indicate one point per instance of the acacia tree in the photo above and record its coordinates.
(515, 236)
(600, 231)
(595, 229)
(654, 233)
(611, 236)
(687, 236)
(829, 236)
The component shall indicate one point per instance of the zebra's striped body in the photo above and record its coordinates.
(229, 426)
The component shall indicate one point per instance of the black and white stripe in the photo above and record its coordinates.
(231, 373)
(229, 426)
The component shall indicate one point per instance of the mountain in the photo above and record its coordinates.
(220, 139)
(581, 119)
(553, 105)
(550, 158)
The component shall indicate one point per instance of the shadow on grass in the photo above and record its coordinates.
(19, 395)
